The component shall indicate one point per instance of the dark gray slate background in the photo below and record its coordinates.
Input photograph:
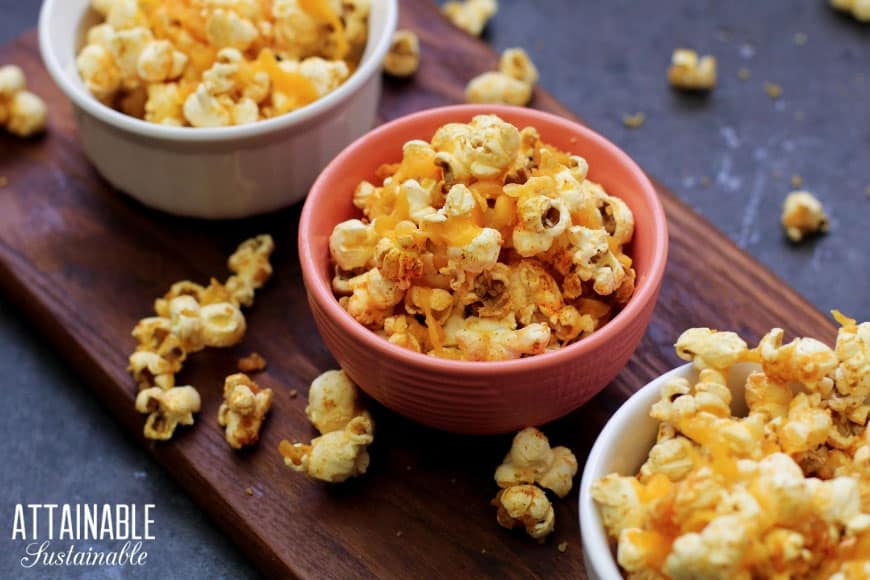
(730, 156)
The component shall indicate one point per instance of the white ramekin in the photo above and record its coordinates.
(622, 447)
(225, 172)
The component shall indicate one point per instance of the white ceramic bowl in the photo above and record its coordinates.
(225, 172)
(622, 447)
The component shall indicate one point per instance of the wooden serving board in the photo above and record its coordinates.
(85, 262)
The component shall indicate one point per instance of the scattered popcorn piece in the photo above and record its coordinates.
(252, 363)
(251, 268)
(515, 63)
(22, 113)
(243, 410)
(773, 90)
(527, 506)
(346, 430)
(512, 84)
(230, 62)
(778, 493)
(803, 215)
(471, 247)
(860, 9)
(334, 456)
(744, 73)
(796, 181)
(633, 121)
(689, 72)
(562, 547)
(498, 88)
(167, 409)
(470, 15)
(333, 401)
(403, 58)
(531, 460)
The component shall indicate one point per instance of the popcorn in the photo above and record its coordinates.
(243, 410)
(334, 456)
(689, 72)
(470, 232)
(403, 58)
(230, 62)
(528, 506)
(22, 113)
(346, 430)
(781, 492)
(803, 215)
(498, 88)
(333, 401)
(512, 84)
(189, 318)
(167, 409)
(515, 63)
(859, 9)
(470, 15)
(531, 460)
(252, 363)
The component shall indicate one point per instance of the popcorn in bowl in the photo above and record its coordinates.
(779, 490)
(484, 243)
(209, 63)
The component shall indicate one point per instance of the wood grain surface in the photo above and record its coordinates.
(85, 262)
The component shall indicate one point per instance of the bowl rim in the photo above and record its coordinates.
(83, 99)
(647, 291)
(596, 544)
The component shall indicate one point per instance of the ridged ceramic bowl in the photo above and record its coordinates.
(221, 172)
(622, 447)
(480, 397)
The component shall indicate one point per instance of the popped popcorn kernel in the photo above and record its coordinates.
(690, 72)
(515, 63)
(470, 15)
(167, 409)
(526, 506)
(782, 492)
(252, 363)
(498, 88)
(484, 243)
(22, 113)
(859, 9)
(230, 62)
(403, 58)
(532, 460)
(333, 401)
(334, 456)
(243, 410)
(803, 215)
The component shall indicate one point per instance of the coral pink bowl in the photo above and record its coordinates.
(480, 397)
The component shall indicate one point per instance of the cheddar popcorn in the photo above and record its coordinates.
(191, 317)
(526, 506)
(690, 72)
(780, 492)
(531, 460)
(22, 113)
(346, 430)
(243, 410)
(470, 15)
(803, 215)
(207, 63)
(512, 84)
(484, 243)
(167, 409)
(403, 58)
(859, 9)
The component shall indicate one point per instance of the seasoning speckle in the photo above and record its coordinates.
(773, 90)
(633, 121)
(399, 533)
(796, 180)
(294, 393)
(249, 491)
(800, 38)
(744, 73)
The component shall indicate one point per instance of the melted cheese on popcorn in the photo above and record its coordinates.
(213, 63)
(484, 243)
(782, 492)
